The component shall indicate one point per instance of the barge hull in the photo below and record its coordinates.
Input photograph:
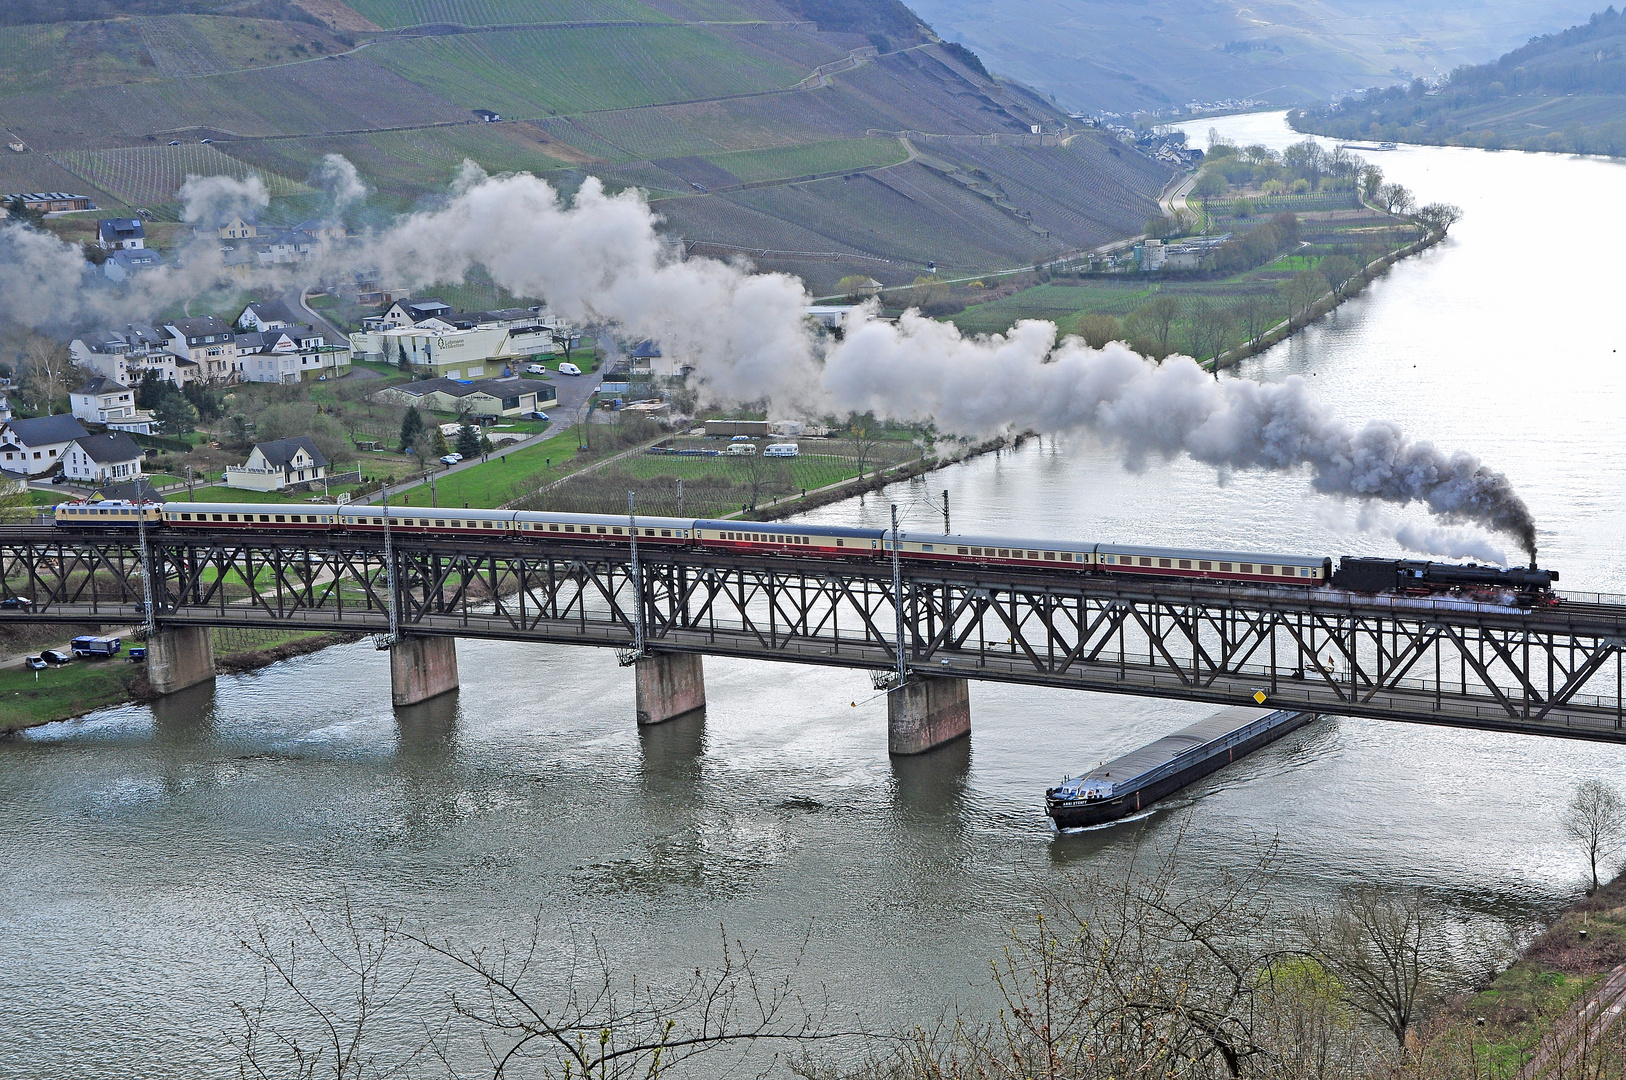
(1069, 814)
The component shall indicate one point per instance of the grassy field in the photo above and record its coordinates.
(501, 479)
(37, 697)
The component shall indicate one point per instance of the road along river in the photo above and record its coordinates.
(142, 843)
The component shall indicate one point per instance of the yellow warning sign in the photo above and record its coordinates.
(1259, 696)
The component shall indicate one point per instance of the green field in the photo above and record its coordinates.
(501, 479)
(37, 697)
(395, 13)
(837, 155)
(614, 68)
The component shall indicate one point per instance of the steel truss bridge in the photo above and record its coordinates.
(1553, 670)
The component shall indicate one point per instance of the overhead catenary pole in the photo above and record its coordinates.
(897, 596)
(637, 583)
(149, 617)
(389, 566)
(945, 512)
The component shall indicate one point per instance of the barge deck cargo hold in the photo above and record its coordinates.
(1128, 784)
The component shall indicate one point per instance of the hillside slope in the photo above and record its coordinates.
(1560, 92)
(1124, 55)
(826, 137)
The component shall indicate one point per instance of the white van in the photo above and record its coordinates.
(568, 368)
(741, 449)
(782, 449)
(535, 369)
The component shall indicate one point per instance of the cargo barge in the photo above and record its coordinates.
(1128, 784)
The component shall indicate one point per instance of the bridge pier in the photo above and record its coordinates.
(179, 657)
(669, 685)
(422, 668)
(926, 712)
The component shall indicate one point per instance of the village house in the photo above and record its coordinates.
(278, 464)
(265, 315)
(481, 397)
(121, 265)
(35, 446)
(412, 312)
(288, 354)
(124, 356)
(115, 234)
(646, 358)
(97, 459)
(206, 341)
(112, 404)
(234, 228)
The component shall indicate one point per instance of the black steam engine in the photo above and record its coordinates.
(1417, 578)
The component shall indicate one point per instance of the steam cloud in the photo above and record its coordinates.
(598, 259)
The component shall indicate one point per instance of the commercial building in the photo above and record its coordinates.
(480, 397)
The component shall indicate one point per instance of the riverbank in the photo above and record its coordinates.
(1329, 300)
(1555, 1010)
(32, 698)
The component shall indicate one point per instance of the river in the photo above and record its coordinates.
(141, 844)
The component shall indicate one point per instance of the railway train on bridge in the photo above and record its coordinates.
(1369, 575)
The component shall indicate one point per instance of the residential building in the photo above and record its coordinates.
(122, 264)
(112, 404)
(325, 232)
(282, 246)
(289, 354)
(97, 459)
(116, 234)
(265, 315)
(278, 464)
(237, 228)
(367, 288)
(479, 397)
(412, 312)
(124, 356)
(35, 446)
(5, 407)
(52, 202)
(828, 316)
(206, 341)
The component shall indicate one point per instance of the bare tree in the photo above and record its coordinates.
(1386, 951)
(1301, 291)
(507, 1010)
(1340, 271)
(1210, 329)
(1439, 217)
(863, 432)
(1395, 198)
(582, 421)
(1156, 319)
(46, 370)
(1258, 313)
(1595, 819)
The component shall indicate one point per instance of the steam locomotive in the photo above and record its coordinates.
(1366, 575)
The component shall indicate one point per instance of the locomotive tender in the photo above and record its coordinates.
(793, 540)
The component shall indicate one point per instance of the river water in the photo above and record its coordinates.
(141, 844)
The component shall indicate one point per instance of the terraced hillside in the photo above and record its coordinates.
(825, 137)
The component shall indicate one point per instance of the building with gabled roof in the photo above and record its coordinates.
(34, 446)
(265, 315)
(111, 403)
(116, 234)
(277, 464)
(96, 459)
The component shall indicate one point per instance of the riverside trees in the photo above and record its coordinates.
(1596, 820)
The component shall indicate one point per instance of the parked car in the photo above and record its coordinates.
(740, 438)
(569, 369)
(60, 478)
(535, 369)
(35, 663)
(174, 142)
(16, 603)
(451, 459)
(53, 656)
(536, 416)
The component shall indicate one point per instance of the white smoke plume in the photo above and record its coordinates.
(342, 183)
(210, 200)
(599, 259)
(1451, 543)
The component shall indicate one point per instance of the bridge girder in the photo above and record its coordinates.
(1552, 670)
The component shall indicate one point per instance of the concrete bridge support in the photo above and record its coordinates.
(422, 668)
(669, 684)
(925, 712)
(180, 657)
